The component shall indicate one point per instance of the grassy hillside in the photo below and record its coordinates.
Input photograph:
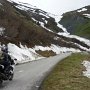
(83, 30)
(67, 75)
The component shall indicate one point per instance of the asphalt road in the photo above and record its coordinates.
(30, 75)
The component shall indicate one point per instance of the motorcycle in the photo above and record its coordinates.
(6, 74)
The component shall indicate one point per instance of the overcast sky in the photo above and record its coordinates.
(58, 6)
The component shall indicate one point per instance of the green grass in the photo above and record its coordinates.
(83, 30)
(67, 75)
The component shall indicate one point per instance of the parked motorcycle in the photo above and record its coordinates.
(6, 74)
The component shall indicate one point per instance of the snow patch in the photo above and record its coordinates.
(63, 33)
(84, 48)
(87, 15)
(86, 64)
(57, 19)
(22, 53)
(22, 7)
(34, 20)
(46, 21)
(56, 38)
(61, 26)
(42, 25)
(43, 14)
(0, 4)
(82, 10)
(86, 41)
(27, 5)
(2, 31)
(55, 48)
(13, 1)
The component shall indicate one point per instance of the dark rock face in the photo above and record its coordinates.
(72, 22)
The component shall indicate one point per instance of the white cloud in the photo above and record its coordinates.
(58, 6)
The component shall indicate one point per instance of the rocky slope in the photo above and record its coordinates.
(77, 22)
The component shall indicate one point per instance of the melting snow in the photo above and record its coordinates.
(22, 7)
(22, 54)
(34, 20)
(63, 33)
(0, 4)
(56, 38)
(87, 66)
(27, 5)
(57, 19)
(87, 15)
(56, 49)
(83, 9)
(25, 54)
(42, 25)
(13, 1)
(47, 16)
(86, 41)
(46, 21)
(2, 31)
(61, 26)
(84, 48)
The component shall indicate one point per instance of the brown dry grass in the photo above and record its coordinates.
(67, 75)
(46, 53)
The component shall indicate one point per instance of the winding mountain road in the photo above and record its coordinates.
(30, 75)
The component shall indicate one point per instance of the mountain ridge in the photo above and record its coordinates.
(81, 22)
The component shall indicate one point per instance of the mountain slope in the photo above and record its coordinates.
(35, 31)
(20, 29)
(77, 22)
